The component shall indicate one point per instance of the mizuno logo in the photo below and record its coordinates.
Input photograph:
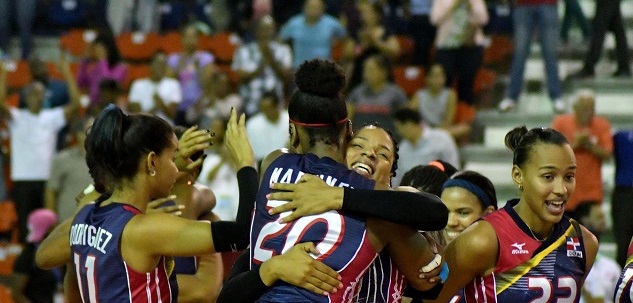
(518, 249)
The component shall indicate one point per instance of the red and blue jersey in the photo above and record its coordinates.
(623, 292)
(340, 238)
(102, 274)
(382, 283)
(529, 270)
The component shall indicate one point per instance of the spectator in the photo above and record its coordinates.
(375, 99)
(28, 282)
(268, 130)
(608, 17)
(622, 200)
(591, 139)
(101, 61)
(262, 65)
(157, 94)
(531, 16)
(136, 15)
(56, 90)
(109, 93)
(421, 143)
(422, 31)
(24, 15)
(69, 173)
(437, 104)
(459, 42)
(601, 281)
(218, 97)
(312, 33)
(189, 67)
(373, 38)
(573, 11)
(34, 136)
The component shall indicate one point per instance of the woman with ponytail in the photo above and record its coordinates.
(528, 251)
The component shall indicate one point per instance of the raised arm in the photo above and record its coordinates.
(4, 108)
(73, 89)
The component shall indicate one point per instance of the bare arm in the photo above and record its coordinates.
(442, 10)
(4, 108)
(73, 107)
(473, 253)
(205, 285)
(54, 251)
(479, 12)
(451, 110)
(591, 248)
(71, 286)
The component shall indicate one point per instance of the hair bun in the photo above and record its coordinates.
(320, 77)
(514, 136)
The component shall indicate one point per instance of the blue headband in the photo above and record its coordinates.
(471, 187)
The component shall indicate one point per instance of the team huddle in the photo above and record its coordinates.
(327, 203)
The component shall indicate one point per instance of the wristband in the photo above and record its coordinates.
(444, 273)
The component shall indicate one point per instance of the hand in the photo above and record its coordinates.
(236, 141)
(302, 200)
(430, 273)
(583, 139)
(192, 141)
(298, 268)
(154, 207)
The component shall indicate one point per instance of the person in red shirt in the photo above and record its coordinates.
(592, 141)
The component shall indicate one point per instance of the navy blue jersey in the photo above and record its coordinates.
(529, 270)
(186, 265)
(623, 292)
(340, 238)
(102, 274)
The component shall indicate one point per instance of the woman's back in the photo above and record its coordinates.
(103, 275)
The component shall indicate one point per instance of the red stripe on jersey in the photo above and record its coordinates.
(481, 290)
(149, 287)
(132, 209)
(630, 252)
(353, 271)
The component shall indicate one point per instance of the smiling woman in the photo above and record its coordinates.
(373, 152)
(527, 251)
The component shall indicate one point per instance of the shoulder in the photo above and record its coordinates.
(274, 155)
(477, 247)
(603, 123)
(439, 133)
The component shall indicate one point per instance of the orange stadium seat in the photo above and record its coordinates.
(484, 80)
(171, 43)
(75, 41)
(19, 74)
(409, 77)
(138, 46)
(337, 50)
(465, 113)
(223, 46)
(499, 51)
(135, 71)
(5, 294)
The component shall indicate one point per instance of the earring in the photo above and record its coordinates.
(152, 173)
(521, 187)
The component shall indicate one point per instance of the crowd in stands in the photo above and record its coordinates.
(418, 68)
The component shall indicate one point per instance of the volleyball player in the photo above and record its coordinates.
(348, 244)
(527, 251)
(623, 292)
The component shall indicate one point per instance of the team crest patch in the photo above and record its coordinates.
(573, 247)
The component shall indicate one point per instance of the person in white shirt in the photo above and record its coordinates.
(268, 130)
(157, 94)
(602, 280)
(33, 133)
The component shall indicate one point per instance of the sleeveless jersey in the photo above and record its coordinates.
(623, 293)
(382, 283)
(529, 270)
(340, 238)
(102, 274)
